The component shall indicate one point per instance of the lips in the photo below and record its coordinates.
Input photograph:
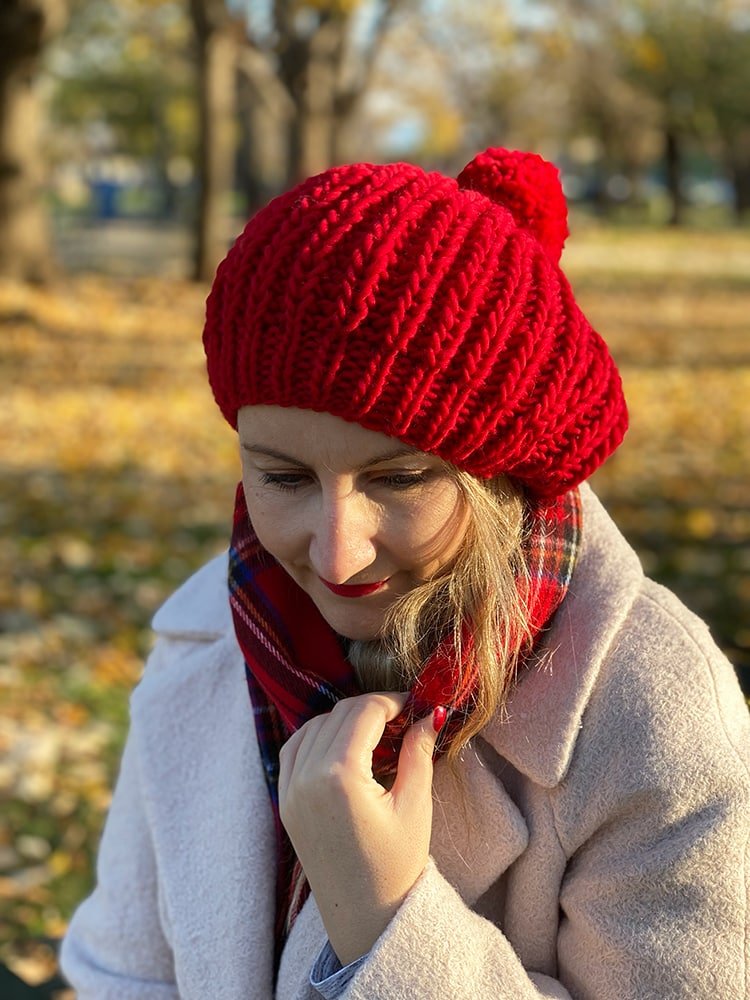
(353, 590)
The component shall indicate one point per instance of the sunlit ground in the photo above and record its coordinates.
(118, 475)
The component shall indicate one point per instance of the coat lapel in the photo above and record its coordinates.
(477, 831)
(538, 731)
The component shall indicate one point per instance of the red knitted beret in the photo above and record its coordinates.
(430, 309)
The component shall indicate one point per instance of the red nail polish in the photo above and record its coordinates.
(438, 717)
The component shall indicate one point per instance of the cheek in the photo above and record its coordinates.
(433, 533)
(273, 528)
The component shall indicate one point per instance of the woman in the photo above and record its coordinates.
(489, 758)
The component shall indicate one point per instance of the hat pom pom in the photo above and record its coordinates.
(529, 187)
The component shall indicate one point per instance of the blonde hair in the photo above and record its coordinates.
(483, 588)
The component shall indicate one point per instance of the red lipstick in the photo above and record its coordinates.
(353, 590)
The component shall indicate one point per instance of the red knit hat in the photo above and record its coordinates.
(429, 309)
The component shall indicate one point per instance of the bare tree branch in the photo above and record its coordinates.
(257, 66)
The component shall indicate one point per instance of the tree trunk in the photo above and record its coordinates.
(25, 240)
(310, 69)
(737, 166)
(741, 183)
(310, 79)
(264, 112)
(217, 58)
(248, 180)
(319, 120)
(673, 164)
(167, 203)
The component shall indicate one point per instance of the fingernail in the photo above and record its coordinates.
(438, 717)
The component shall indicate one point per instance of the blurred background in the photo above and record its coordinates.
(136, 136)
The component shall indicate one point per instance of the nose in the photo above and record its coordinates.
(342, 543)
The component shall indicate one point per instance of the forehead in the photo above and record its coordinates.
(317, 438)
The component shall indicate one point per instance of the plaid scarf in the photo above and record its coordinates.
(296, 667)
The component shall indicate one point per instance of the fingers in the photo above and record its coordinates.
(347, 734)
(363, 722)
(415, 759)
(290, 751)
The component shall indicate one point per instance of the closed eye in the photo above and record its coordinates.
(293, 481)
(402, 480)
(289, 481)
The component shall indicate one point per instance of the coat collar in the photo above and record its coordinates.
(538, 730)
(199, 610)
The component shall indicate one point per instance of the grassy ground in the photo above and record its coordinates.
(117, 481)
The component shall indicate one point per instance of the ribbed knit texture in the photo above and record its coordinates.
(427, 308)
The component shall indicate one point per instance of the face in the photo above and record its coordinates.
(356, 518)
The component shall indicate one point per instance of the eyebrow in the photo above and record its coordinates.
(388, 456)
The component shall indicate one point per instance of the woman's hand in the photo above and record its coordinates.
(362, 847)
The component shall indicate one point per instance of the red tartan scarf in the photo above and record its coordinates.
(296, 667)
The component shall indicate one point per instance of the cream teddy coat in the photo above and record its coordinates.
(594, 847)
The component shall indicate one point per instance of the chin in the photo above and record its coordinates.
(351, 627)
(353, 632)
(356, 622)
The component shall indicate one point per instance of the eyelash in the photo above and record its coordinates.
(282, 482)
(291, 482)
(403, 480)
